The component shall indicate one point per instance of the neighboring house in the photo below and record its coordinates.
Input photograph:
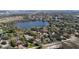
(28, 37)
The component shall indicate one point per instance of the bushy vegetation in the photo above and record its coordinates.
(13, 42)
(57, 30)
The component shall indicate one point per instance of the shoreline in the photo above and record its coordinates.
(11, 19)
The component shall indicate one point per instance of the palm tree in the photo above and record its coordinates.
(50, 31)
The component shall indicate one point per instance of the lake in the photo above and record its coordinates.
(30, 24)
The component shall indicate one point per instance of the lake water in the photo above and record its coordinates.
(30, 24)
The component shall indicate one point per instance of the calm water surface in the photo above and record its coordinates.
(30, 24)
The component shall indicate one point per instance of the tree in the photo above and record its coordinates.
(13, 42)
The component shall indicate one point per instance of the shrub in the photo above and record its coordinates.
(30, 45)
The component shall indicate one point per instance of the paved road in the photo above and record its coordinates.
(72, 43)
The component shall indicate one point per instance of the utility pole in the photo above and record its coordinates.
(49, 30)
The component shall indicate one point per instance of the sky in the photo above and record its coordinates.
(39, 4)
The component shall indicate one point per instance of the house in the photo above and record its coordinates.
(28, 37)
